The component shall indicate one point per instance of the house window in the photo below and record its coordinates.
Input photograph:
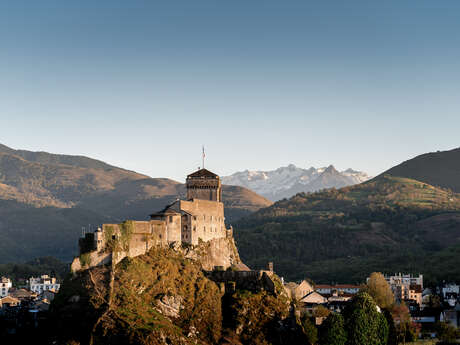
(170, 218)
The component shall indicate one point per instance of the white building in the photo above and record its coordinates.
(44, 283)
(5, 285)
(406, 287)
(338, 288)
(450, 293)
(404, 279)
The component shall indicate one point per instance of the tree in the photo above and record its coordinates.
(392, 336)
(383, 328)
(380, 290)
(310, 330)
(321, 311)
(405, 328)
(364, 322)
(332, 330)
(446, 332)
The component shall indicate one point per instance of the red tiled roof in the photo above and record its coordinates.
(347, 286)
(338, 286)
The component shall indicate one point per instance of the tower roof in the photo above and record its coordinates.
(203, 173)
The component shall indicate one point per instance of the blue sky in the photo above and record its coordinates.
(143, 84)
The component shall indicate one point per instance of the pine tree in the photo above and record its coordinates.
(310, 331)
(332, 331)
(364, 323)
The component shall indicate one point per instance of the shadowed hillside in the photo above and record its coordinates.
(345, 234)
(440, 168)
(46, 199)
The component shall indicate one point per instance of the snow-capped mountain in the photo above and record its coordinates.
(287, 181)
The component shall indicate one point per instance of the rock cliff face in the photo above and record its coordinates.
(217, 252)
(157, 298)
(163, 297)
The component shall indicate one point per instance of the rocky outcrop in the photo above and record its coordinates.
(164, 297)
(219, 252)
(157, 298)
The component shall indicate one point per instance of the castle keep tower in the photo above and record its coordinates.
(204, 185)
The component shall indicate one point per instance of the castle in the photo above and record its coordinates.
(201, 216)
(198, 218)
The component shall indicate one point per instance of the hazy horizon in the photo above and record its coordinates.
(144, 85)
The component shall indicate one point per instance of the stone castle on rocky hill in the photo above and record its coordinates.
(199, 218)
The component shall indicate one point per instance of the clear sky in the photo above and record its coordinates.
(143, 84)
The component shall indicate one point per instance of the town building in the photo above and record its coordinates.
(450, 293)
(297, 291)
(9, 302)
(312, 300)
(339, 289)
(404, 279)
(23, 294)
(5, 285)
(406, 287)
(43, 283)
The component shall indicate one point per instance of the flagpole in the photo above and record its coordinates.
(203, 156)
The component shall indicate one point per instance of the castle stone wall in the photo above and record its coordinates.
(243, 280)
(207, 221)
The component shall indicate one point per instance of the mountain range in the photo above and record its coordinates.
(46, 200)
(286, 182)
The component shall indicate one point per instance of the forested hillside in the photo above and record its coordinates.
(386, 224)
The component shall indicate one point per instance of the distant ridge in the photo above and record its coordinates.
(51, 158)
(441, 168)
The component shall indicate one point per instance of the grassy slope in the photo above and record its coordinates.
(386, 224)
(440, 168)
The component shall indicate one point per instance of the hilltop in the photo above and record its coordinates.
(287, 181)
(441, 168)
(162, 297)
(46, 199)
(386, 224)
